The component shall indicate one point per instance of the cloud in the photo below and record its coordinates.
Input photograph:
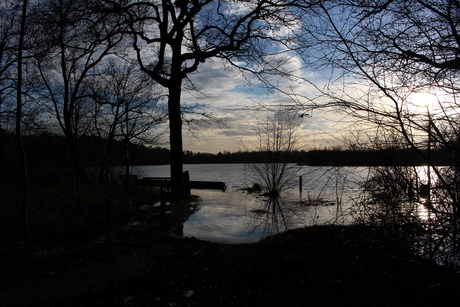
(230, 98)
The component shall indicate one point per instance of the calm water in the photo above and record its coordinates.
(235, 216)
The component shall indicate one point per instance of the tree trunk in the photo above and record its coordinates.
(25, 185)
(126, 139)
(127, 158)
(74, 151)
(175, 137)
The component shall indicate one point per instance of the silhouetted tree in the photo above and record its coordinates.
(127, 107)
(10, 20)
(71, 37)
(387, 56)
(22, 156)
(391, 54)
(172, 39)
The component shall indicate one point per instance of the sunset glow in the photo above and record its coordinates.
(422, 102)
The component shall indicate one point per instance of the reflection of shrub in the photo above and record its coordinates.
(315, 201)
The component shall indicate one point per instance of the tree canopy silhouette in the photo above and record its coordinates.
(173, 38)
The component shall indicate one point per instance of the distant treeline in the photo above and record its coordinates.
(328, 157)
(46, 149)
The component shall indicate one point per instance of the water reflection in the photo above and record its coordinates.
(240, 217)
(224, 217)
(269, 218)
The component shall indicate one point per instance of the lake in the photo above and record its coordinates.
(236, 216)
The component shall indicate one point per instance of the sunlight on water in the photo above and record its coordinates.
(422, 173)
(423, 212)
(427, 177)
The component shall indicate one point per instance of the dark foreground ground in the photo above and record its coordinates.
(146, 265)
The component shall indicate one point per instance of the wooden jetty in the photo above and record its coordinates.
(166, 182)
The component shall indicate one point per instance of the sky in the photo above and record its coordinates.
(235, 99)
(230, 98)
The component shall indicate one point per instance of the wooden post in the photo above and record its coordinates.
(429, 159)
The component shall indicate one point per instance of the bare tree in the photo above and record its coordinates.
(71, 37)
(14, 51)
(10, 20)
(388, 58)
(172, 39)
(390, 54)
(276, 146)
(127, 106)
